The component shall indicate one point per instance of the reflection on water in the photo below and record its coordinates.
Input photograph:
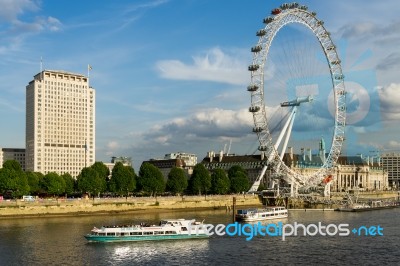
(145, 252)
(60, 241)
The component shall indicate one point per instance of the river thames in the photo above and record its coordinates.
(60, 241)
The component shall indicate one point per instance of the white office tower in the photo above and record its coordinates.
(60, 123)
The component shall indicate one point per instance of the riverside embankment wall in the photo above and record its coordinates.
(46, 207)
(49, 207)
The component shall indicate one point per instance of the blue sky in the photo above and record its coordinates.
(171, 75)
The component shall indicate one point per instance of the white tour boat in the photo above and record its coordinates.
(268, 213)
(166, 230)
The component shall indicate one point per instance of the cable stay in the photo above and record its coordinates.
(286, 130)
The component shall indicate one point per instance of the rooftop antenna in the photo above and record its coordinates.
(41, 68)
(89, 67)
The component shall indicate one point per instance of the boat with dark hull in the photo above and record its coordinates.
(353, 204)
(370, 206)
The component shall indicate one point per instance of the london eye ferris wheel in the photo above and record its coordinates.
(297, 95)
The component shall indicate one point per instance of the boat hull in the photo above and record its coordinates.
(251, 219)
(255, 215)
(96, 238)
(365, 209)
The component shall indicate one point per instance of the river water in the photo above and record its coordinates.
(60, 241)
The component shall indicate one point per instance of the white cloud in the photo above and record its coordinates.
(148, 5)
(40, 24)
(390, 62)
(215, 66)
(393, 144)
(390, 98)
(113, 145)
(163, 140)
(137, 9)
(10, 9)
(16, 27)
(356, 30)
(53, 24)
(11, 106)
(380, 37)
(222, 119)
(209, 123)
(198, 132)
(360, 130)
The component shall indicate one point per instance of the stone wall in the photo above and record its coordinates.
(43, 207)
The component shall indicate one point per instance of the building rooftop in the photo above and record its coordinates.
(296, 160)
(61, 72)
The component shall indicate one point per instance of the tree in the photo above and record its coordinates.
(123, 179)
(200, 181)
(88, 181)
(239, 181)
(13, 180)
(69, 183)
(177, 181)
(101, 169)
(103, 172)
(42, 189)
(54, 184)
(33, 182)
(261, 187)
(12, 165)
(234, 171)
(150, 179)
(19, 183)
(220, 183)
(4, 173)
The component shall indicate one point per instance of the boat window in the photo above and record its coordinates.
(102, 234)
(158, 232)
(147, 233)
(111, 234)
(184, 229)
(136, 233)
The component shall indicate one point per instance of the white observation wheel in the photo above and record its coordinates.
(281, 17)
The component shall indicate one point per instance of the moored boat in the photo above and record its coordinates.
(165, 230)
(268, 213)
(372, 205)
(354, 207)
